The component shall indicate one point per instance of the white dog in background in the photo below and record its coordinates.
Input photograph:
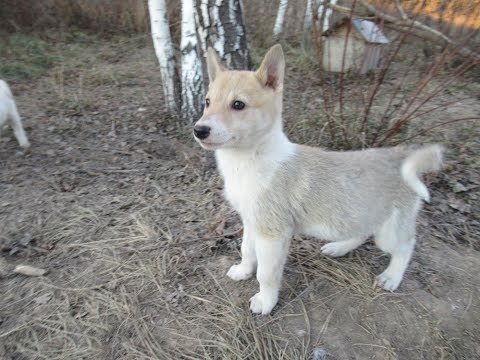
(9, 114)
(280, 188)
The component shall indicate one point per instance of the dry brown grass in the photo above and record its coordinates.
(104, 16)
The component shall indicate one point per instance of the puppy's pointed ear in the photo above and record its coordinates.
(272, 70)
(214, 66)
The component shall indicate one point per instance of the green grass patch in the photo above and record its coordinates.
(24, 57)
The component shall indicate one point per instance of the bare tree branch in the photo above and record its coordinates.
(424, 131)
(402, 12)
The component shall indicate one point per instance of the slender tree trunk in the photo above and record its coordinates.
(307, 27)
(164, 50)
(325, 15)
(315, 15)
(202, 21)
(280, 20)
(221, 24)
(191, 70)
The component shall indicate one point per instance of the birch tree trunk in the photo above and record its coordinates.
(221, 24)
(318, 15)
(191, 68)
(164, 50)
(325, 15)
(280, 20)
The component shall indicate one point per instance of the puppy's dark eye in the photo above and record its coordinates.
(207, 102)
(238, 105)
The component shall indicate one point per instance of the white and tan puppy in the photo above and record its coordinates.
(9, 114)
(281, 189)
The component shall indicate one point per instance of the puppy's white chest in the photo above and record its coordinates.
(247, 174)
(242, 186)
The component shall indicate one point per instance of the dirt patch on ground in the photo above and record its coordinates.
(126, 215)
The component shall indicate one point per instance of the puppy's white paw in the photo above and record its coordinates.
(263, 303)
(25, 144)
(388, 281)
(239, 272)
(335, 249)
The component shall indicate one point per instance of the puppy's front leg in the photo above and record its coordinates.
(245, 269)
(271, 257)
(18, 128)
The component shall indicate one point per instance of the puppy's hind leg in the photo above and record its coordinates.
(340, 248)
(396, 237)
(391, 278)
(245, 269)
(18, 127)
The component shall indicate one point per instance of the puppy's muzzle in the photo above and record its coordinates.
(201, 131)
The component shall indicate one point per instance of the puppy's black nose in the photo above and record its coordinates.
(201, 132)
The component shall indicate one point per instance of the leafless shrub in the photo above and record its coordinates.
(390, 104)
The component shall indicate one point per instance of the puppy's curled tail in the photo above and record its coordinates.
(425, 159)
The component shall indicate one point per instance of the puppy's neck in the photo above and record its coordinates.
(247, 171)
(274, 147)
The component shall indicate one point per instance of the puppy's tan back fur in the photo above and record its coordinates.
(350, 193)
